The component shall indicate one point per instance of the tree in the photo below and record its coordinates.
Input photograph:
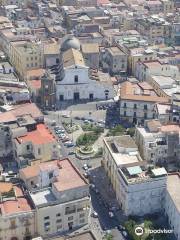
(108, 236)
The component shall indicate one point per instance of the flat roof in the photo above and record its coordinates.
(173, 184)
(82, 236)
(15, 206)
(68, 176)
(43, 197)
(41, 135)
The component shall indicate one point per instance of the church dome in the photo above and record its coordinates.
(70, 42)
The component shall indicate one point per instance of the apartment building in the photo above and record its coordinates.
(17, 216)
(34, 143)
(168, 6)
(137, 102)
(90, 53)
(137, 55)
(176, 107)
(5, 141)
(144, 70)
(25, 56)
(171, 206)
(157, 143)
(153, 28)
(114, 60)
(59, 194)
(154, 7)
(139, 188)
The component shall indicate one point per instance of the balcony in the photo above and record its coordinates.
(13, 226)
(70, 211)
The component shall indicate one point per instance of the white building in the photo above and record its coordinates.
(137, 102)
(144, 70)
(158, 143)
(139, 189)
(172, 203)
(76, 81)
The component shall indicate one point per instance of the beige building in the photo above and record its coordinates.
(137, 102)
(35, 146)
(153, 29)
(139, 189)
(17, 217)
(139, 55)
(25, 56)
(60, 196)
(114, 60)
(90, 53)
(168, 6)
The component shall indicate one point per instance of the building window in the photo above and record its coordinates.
(145, 107)
(28, 147)
(59, 227)
(76, 78)
(39, 151)
(32, 183)
(124, 113)
(47, 226)
(81, 215)
(134, 114)
(58, 215)
(81, 221)
(70, 210)
(59, 221)
(145, 115)
(125, 105)
(46, 218)
(50, 175)
(70, 218)
(135, 106)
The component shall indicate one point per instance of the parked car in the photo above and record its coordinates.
(86, 174)
(57, 128)
(120, 227)
(65, 139)
(69, 144)
(94, 214)
(71, 153)
(65, 116)
(111, 214)
(85, 167)
(77, 118)
(124, 233)
(60, 131)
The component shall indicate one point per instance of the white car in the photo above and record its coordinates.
(85, 167)
(94, 214)
(111, 214)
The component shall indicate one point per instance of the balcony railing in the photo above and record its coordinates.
(70, 211)
(13, 226)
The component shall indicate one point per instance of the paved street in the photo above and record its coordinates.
(101, 201)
